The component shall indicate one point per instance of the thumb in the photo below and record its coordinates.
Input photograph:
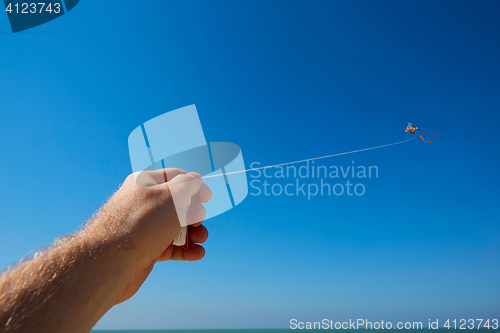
(190, 182)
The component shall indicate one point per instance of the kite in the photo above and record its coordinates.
(411, 129)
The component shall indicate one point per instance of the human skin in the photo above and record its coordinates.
(72, 284)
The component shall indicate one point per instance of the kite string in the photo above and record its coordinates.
(310, 159)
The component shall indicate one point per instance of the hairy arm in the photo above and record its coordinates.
(78, 280)
(71, 285)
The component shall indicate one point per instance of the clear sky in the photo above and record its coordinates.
(285, 80)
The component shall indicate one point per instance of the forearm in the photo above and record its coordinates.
(67, 288)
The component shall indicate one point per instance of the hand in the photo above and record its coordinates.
(145, 215)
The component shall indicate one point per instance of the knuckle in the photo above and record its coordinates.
(194, 175)
(202, 209)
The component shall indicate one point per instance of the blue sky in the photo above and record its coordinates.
(285, 80)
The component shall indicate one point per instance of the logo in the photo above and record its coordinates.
(25, 15)
(176, 140)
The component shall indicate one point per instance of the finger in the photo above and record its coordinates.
(190, 182)
(204, 194)
(195, 201)
(196, 214)
(151, 178)
(195, 252)
(164, 175)
(198, 234)
(177, 253)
